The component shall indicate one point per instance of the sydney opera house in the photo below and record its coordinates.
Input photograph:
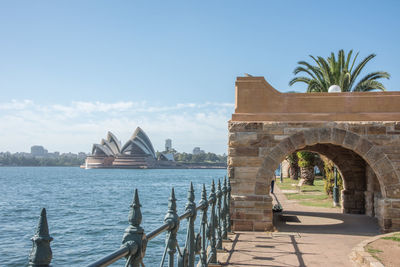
(138, 152)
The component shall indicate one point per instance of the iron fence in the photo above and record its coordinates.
(205, 244)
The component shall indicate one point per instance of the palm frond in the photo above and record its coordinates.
(359, 68)
(369, 85)
(299, 79)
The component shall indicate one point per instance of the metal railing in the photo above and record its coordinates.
(205, 244)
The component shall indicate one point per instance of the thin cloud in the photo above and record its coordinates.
(76, 126)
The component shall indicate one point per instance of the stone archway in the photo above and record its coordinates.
(261, 134)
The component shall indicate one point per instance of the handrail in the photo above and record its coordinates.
(134, 242)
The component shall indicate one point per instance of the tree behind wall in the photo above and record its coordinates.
(330, 177)
(293, 166)
(306, 164)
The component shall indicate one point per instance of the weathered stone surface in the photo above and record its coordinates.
(363, 146)
(246, 173)
(393, 191)
(351, 140)
(298, 140)
(242, 138)
(245, 161)
(311, 137)
(256, 149)
(325, 135)
(376, 130)
(338, 136)
(243, 151)
(245, 126)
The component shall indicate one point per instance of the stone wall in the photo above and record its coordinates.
(257, 148)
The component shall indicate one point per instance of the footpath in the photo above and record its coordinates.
(305, 236)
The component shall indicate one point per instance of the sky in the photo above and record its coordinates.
(70, 71)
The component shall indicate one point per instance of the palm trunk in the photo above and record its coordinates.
(307, 173)
(294, 172)
(294, 166)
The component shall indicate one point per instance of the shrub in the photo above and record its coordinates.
(330, 177)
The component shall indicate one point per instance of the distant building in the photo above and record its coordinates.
(38, 151)
(168, 145)
(82, 155)
(197, 151)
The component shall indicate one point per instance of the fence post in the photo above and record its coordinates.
(134, 236)
(219, 233)
(212, 256)
(190, 245)
(41, 254)
(172, 219)
(204, 204)
(224, 209)
(229, 206)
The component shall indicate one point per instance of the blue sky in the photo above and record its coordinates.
(72, 70)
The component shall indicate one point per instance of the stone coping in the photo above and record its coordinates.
(362, 258)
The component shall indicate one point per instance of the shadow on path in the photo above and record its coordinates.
(306, 236)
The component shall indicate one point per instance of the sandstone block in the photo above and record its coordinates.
(363, 146)
(325, 135)
(241, 225)
(376, 130)
(338, 136)
(245, 161)
(311, 137)
(298, 140)
(243, 151)
(274, 130)
(242, 138)
(244, 173)
(245, 126)
(287, 146)
(351, 140)
(393, 191)
(277, 154)
(261, 188)
(264, 151)
(373, 155)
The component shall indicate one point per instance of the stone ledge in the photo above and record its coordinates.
(362, 258)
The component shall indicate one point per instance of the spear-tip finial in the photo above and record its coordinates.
(41, 253)
(135, 214)
(191, 193)
(172, 201)
(204, 193)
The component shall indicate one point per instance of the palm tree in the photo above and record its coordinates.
(294, 168)
(339, 72)
(306, 163)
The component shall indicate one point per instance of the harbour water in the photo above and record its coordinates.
(87, 210)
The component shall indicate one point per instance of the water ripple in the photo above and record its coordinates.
(87, 209)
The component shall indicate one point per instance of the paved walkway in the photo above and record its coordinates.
(307, 236)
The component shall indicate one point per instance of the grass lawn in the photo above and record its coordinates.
(309, 195)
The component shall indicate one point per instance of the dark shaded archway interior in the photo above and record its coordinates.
(361, 186)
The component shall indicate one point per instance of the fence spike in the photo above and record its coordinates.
(223, 212)
(172, 219)
(41, 253)
(229, 206)
(204, 204)
(190, 245)
(212, 255)
(134, 236)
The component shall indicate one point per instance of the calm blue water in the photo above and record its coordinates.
(87, 210)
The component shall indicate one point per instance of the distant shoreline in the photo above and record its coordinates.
(164, 168)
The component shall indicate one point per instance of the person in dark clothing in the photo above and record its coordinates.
(272, 186)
